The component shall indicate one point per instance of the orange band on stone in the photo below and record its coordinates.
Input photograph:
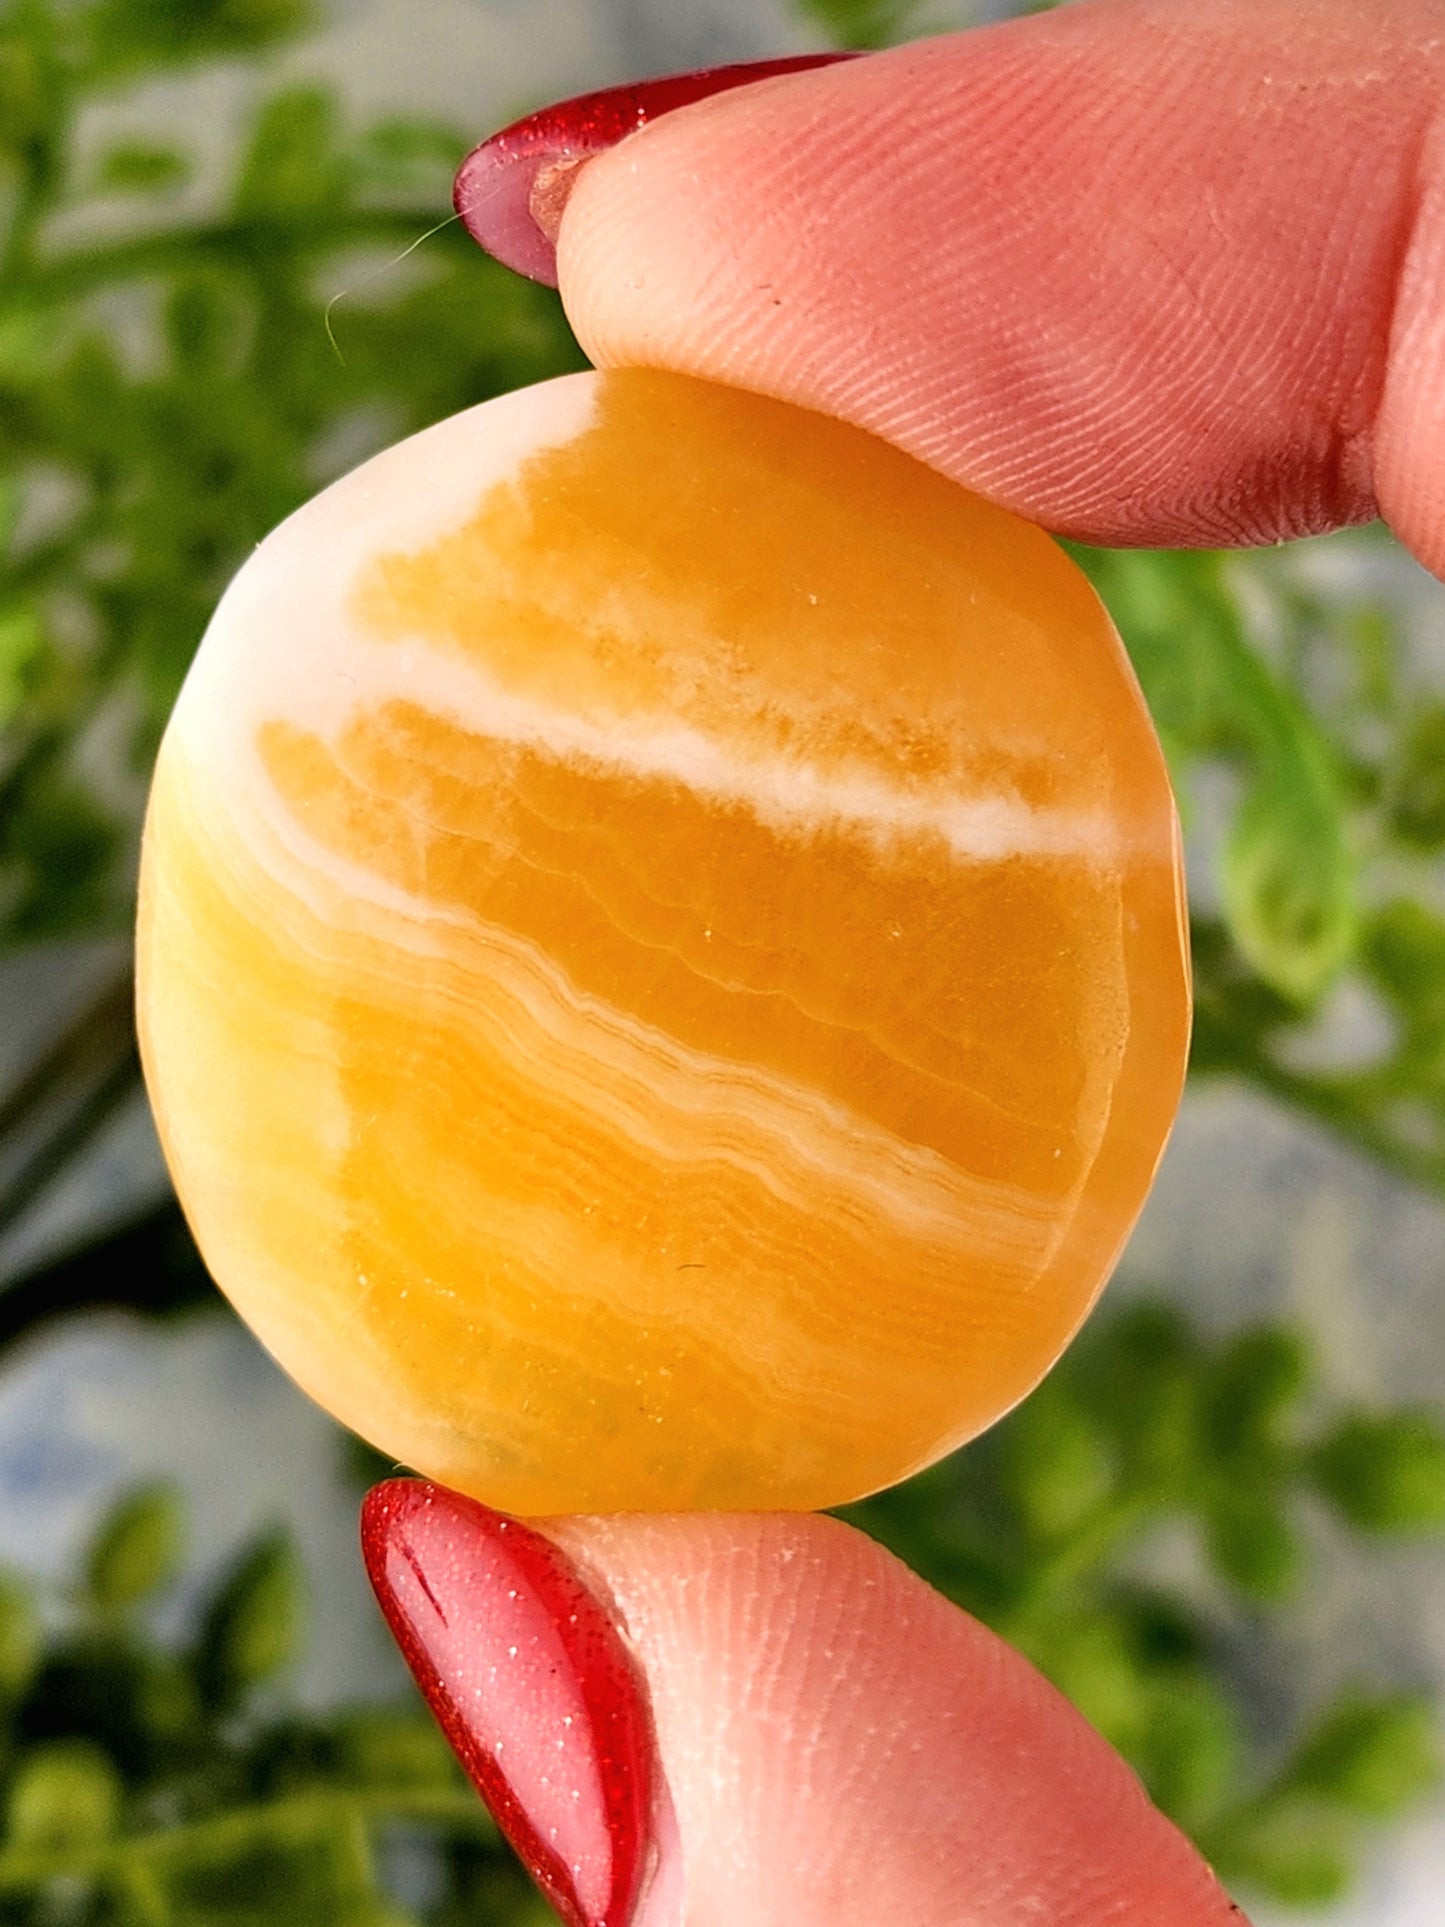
(663, 975)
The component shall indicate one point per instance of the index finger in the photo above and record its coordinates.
(1147, 274)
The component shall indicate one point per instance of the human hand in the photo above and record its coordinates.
(1145, 274)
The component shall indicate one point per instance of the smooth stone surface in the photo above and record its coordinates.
(663, 973)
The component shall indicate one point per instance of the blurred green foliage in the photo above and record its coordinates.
(165, 1780)
(150, 1782)
(183, 360)
(1301, 735)
(1144, 1438)
(862, 25)
(174, 382)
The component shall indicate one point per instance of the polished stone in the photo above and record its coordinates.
(663, 966)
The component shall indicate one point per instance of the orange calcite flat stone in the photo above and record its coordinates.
(663, 967)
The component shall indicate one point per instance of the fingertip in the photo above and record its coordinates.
(717, 1718)
(842, 1745)
(1121, 271)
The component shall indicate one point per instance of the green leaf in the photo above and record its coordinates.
(377, 1913)
(12, 502)
(1252, 1543)
(313, 1879)
(126, 1693)
(1286, 877)
(125, 34)
(27, 95)
(530, 1910)
(1417, 809)
(292, 165)
(1173, 615)
(1371, 634)
(392, 1747)
(138, 1549)
(23, 645)
(27, 343)
(1295, 1852)
(65, 1794)
(1092, 1661)
(21, 1637)
(208, 325)
(1056, 1463)
(141, 167)
(1377, 1757)
(253, 1627)
(1189, 1755)
(58, 845)
(1404, 951)
(1250, 1392)
(1140, 1376)
(862, 24)
(409, 154)
(1385, 1471)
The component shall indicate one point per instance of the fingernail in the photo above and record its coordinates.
(510, 191)
(529, 1680)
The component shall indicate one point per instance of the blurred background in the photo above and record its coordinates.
(1220, 1526)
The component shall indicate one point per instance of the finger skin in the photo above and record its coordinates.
(843, 1747)
(1146, 273)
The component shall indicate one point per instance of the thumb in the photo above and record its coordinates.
(713, 1719)
(1144, 273)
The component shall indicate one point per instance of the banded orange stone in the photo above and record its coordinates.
(663, 974)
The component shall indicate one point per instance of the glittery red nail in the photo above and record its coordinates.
(510, 190)
(529, 1680)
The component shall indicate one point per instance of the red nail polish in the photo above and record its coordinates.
(529, 1680)
(510, 191)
